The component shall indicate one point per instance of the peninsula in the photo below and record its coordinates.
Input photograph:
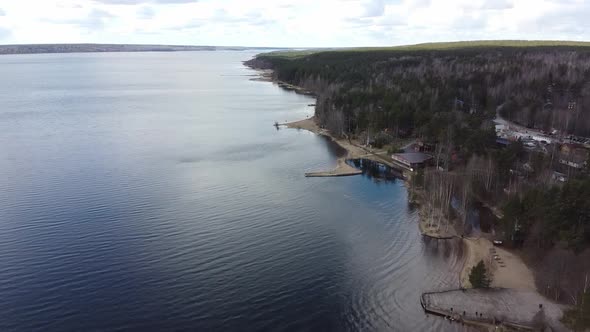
(506, 126)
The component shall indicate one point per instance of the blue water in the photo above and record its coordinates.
(150, 191)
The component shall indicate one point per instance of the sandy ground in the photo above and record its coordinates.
(307, 124)
(341, 169)
(310, 124)
(507, 271)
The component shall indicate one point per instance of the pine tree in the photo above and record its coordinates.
(478, 277)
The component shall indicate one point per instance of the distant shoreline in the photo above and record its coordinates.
(116, 48)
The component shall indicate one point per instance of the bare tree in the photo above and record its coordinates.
(563, 275)
(438, 193)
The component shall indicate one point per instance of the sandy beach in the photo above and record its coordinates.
(353, 151)
(341, 169)
(507, 269)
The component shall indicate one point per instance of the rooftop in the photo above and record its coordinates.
(413, 157)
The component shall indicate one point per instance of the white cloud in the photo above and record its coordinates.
(96, 19)
(145, 12)
(298, 23)
(137, 2)
(374, 8)
(4, 33)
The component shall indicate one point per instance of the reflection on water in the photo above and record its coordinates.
(376, 171)
(334, 149)
(479, 217)
(451, 248)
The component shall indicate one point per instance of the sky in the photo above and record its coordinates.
(290, 23)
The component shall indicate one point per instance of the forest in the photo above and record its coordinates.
(447, 95)
(409, 89)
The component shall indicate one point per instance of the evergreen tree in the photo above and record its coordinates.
(478, 277)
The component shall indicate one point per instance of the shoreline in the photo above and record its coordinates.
(513, 284)
(509, 272)
(353, 150)
(342, 168)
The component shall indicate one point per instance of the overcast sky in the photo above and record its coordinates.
(293, 23)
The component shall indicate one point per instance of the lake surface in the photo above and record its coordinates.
(150, 191)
